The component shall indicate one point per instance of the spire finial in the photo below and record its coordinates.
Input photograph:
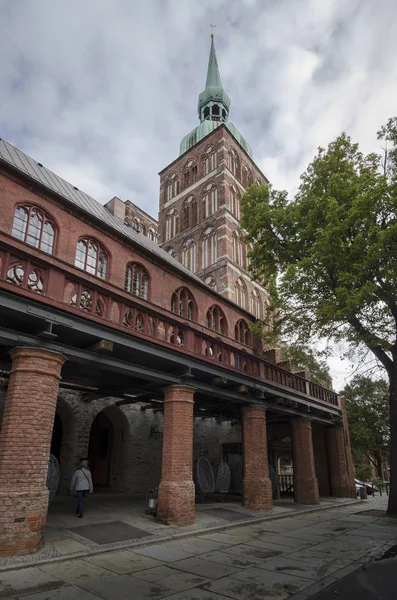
(212, 31)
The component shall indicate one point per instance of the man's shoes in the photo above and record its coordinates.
(80, 516)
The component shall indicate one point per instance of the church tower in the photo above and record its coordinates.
(200, 191)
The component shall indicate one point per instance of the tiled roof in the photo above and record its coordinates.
(23, 163)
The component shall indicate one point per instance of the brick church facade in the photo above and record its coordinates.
(131, 343)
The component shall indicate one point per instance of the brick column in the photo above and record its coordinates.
(257, 488)
(176, 491)
(305, 480)
(25, 441)
(342, 484)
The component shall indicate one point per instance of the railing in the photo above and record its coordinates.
(142, 319)
(286, 484)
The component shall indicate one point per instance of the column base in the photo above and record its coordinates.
(306, 491)
(258, 494)
(176, 504)
(23, 517)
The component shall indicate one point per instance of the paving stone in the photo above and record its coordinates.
(294, 566)
(195, 545)
(318, 586)
(245, 590)
(111, 531)
(346, 570)
(164, 552)
(282, 540)
(180, 581)
(302, 534)
(330, 563)
(196, 594)
(155, 574)
(76, 571)
(224, 538)
(123, 562)
(232, 560)
(125, 587)
(69, 546)
(205, 568)
(261, 552)
(69, 592)
(27, 581)
(274, 581)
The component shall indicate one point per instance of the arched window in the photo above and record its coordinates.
(247, 176)
(258, 183)
(240, 293)
(233, 162)
(234, 202)
(210, 281)
(210, 201)
(152, 235)
(33, 226)
(172, 186)
(210, 160)
(182, 303)
(209, 247)
(190, 173)
(171, 224)
(189, 212)
(256, 304)
(189, 255)
(91, 257)
(137, 280)
(137, 225)
(216, 320)
(242, 332)
(238, 248)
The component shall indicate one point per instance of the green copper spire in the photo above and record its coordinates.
(213, 102)
(213, 109)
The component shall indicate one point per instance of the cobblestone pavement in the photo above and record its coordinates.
(292, 557)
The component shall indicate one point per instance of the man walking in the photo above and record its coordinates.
(81, 484)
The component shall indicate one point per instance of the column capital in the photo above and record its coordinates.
(37, 352)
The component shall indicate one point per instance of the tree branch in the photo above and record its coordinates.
(375, 348)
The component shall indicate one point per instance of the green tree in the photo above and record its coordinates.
(367, 404)
(329, 257)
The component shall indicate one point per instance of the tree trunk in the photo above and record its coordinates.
(379, 466)
(392, 505)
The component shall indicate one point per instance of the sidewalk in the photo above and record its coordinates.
(293, 557)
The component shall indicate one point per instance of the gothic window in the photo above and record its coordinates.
(152, 235)
(209, 249)
(215, 110)
(238, 248)
(190, 173)
(242, 332)
(206, 112)
(189, 212)
(210, 201)
(216, 320)
(256, 304)
(234, 162)
(100, 308)
(172, 186)
(234, 202)
(189, 255)
(210, 281)
(91, 257)
(247, 176)
(137, 281)
(258, 183)
(171, 224)
(210, 161)
(182, 303)
(31, 225)
(137, 225)
(240, 293)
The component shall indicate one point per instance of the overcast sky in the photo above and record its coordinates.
(102, 91)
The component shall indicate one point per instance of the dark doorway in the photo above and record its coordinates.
(56, 441)
(100, 450)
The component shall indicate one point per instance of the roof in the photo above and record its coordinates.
(36, 171)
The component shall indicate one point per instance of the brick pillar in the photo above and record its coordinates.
(176, 491)
(321, 458)
(257, 488)
(25, 441)
(342, 484)
(305, 480)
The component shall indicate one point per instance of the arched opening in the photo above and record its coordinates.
(56, 440)
(100, 450)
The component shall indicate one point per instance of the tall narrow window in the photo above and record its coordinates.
(31, 225)
(152, 234)
(189, 255)
(209, 248)
(171, 224)
(182, 303)
(247, 176)
(256, 304)
(210, 160)
(240, 293)
(172, 186)
(137, 280)
(242, 332)
(233, 162)
(190, 173)
(234, 202)
(216, 320)
(189, 212)
(238, 249)
(210, 201)
(91, 257)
